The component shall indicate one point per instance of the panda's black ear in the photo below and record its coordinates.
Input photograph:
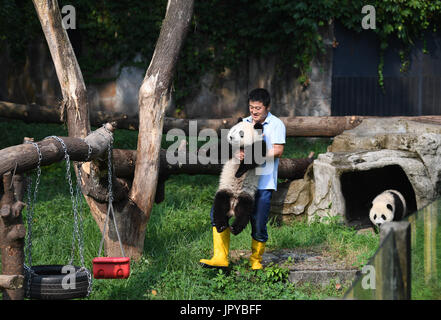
(239, 119)
(258, 126)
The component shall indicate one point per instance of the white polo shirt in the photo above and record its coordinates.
(274, 133)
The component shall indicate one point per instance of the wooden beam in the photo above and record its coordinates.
(297, 126)
(24, 157)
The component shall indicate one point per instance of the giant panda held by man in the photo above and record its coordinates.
(239, 179)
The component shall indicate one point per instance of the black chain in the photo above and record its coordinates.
(77, 207)
(110, 196)
(29, 217)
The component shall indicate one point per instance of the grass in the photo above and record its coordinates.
(179, 234)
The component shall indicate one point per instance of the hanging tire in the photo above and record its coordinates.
(47, 283)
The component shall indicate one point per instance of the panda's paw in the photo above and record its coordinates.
(235, 230)
(221, 228)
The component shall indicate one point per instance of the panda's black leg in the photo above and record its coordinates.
(244, 168)
(243, 210)
(220, 209)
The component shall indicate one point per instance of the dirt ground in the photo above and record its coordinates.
(297, 259)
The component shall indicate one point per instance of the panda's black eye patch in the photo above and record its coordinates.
(389, 207)
(383, 217)
(375, 216)
(241, 133)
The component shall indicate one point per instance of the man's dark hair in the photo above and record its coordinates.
(261, 95)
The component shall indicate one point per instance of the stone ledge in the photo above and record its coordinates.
(321, 277)
(305, 266)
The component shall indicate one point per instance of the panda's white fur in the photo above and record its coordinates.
(389, 205)
(235, 195)
(245, 184)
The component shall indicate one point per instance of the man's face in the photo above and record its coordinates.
(258, 111)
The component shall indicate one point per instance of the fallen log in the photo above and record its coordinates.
(297, 126)
(24, 157)
(124, 166)
(49, 114)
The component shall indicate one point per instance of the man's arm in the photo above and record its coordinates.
(276, 151)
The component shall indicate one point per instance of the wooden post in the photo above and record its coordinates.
(430, 226)
(413, 226)
(12, 233)
(402, 237)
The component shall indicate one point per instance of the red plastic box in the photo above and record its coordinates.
(111, 267)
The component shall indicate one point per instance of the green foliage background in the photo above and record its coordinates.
(223, 33)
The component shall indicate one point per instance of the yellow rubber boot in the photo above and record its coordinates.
(257, 249)
(221, 246)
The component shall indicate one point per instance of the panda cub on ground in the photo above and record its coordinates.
(238, 181)
(389, 205)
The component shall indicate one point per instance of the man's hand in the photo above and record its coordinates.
(275, 152)
(239, 155)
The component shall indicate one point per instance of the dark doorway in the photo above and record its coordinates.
(359, 188)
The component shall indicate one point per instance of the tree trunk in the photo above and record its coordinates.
(131, 214)
(69, 75)
(133, 211)
(154, 96)
(76, 106)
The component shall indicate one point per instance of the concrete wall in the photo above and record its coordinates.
(219, 95)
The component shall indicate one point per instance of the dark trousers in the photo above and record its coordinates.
(260, 215)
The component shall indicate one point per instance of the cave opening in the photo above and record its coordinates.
(359, 188)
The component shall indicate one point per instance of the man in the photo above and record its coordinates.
(274, 132)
